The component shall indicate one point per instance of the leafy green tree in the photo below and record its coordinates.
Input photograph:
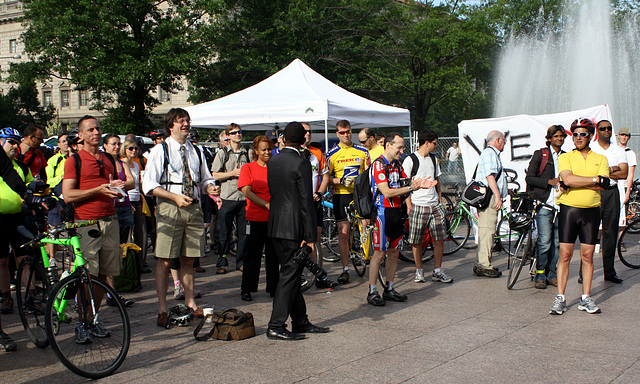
(122, 50)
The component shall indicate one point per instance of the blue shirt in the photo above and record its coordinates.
(489, 163)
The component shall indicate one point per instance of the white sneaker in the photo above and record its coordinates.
(178, 292)
(419, 278)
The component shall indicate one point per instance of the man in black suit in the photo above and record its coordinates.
(292, 224)
(542, 182)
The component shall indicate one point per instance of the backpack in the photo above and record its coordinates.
(69, 208)
(129, 278)
(166, 162)
(363, 198)
(225, 157)
(415, 164)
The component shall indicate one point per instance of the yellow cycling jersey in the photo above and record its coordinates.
(593, 165)
(10, 202)
(347, 162)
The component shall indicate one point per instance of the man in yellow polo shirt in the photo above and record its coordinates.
(584, 174)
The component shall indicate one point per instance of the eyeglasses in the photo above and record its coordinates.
(623, 134)
(344, 132)
(235, 133)
(133, 148)
(12, 142)
(101, 166)
(604, 128)
(581, 134)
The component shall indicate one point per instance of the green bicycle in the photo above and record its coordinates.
(90, 339)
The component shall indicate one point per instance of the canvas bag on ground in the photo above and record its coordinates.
(230, 324)
(129, 278)
(476, 194)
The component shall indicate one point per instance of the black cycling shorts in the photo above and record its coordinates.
(340, 203)
(578, 222)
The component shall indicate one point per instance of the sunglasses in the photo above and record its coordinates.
(101, 166)
(235, 133)
(307, 131)
(606, 128)
(623, 134)
(581, 134)
(344, 132)
(12, 142)
(133, 148)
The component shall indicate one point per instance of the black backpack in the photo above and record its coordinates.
(415, 164)
(69, 208)
(363, 198)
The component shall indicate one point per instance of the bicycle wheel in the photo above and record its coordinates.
(521, 256)
(32, 290)
(458, 230)
(330, 239)
(633, 213)
(103, 351)
(507, 239)
(629, 246)
(406, 251)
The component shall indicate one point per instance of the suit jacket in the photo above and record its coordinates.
(539, 184)
(291, 213)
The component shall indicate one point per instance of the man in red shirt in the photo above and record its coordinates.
(93, 199)
(30, 151)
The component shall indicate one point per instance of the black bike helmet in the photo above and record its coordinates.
(519, 223)
(180, 315)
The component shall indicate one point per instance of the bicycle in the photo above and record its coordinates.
(629, 245)
(329, 236)
(58, 304)
(306, 282)
(525, 252)
(360, 240)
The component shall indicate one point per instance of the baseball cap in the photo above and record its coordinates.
(271, 134)
(624, 131)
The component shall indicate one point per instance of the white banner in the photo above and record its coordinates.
(524, 134)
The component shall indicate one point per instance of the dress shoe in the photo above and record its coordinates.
(283, 334)
(540, 284)
(163, 319)
(614, 279)
(245, 296)
(198, 312)
(309, 328)
(199, 269)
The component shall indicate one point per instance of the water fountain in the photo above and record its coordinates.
(588, 63)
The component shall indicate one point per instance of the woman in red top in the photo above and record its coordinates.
(252, 182)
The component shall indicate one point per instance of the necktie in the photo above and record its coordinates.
(187, 181)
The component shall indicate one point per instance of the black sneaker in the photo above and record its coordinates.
(82, 335)
(392, 294)
(343, 278)
(374, 298)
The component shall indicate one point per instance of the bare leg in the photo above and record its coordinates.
(374, 266)
(186, 274)
(586, 255)
(566, 252)
(392, 263)
(343, 242)
(438, 252)
(162, 267)
(417, 254)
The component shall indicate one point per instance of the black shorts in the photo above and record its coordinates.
(340, 203)
(580, 223)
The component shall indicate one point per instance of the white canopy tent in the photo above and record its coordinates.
(295, 93)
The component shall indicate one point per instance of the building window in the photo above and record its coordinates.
(84, 98)
(13, 46)
(163, 95)
(46, 98)
(64, 98)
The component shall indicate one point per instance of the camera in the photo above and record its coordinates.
(404, 182)
(301, 257)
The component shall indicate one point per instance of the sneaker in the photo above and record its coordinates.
(82, 335)
(112, 301)
(392, 294)
(559, 306)
(96, 329)
(222, 265)
(343, 278)
(374, 298)
(441, 277)
(6, 344)
(588, 305)
(540, 284)
(419, 278)
(178, 292)
(7, 306)
(482, 272)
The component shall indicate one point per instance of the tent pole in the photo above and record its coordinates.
(326, 136)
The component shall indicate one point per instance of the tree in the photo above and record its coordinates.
(122, 50)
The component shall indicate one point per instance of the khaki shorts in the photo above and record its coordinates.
(180, 230)
(102, 255)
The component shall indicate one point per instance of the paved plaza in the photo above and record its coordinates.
(471, 331)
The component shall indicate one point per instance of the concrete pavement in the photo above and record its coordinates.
(473, 330)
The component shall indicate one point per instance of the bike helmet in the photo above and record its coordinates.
(194, 135)
(10, 133)
(180, 315)
(583, 122)
(519, 223)
(72, 137)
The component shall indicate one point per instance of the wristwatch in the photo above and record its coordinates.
(595, 180)
(410, 188)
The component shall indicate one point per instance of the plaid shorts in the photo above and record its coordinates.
(418, 218)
